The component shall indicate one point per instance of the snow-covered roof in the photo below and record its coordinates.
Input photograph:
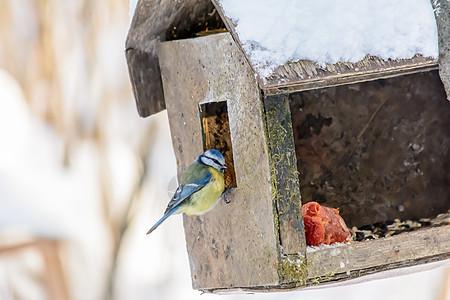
(274, 32)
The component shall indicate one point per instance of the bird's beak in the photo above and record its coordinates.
(223, 168)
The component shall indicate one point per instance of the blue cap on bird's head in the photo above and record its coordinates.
(212, 158)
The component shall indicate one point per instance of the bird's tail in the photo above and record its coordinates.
(168, 214)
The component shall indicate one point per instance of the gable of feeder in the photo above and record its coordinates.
(154, 22)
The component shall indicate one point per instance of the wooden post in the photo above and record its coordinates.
(284, 180)
(442, 14)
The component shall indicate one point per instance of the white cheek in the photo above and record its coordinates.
(207, 161)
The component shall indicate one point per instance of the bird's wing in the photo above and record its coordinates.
(186, 190)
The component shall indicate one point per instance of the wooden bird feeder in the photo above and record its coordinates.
(370, 138)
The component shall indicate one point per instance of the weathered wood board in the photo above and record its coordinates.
(352, 277)
(379, 254)
(344, 264)
(306, 75)
(442, 14)
(285, 181)
(235, 244)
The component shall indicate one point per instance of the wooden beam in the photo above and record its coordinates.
(306, 75)
(379, 253)
(284, 174)
(442, 14)
(341, 279)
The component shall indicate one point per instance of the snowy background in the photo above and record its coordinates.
(78, 165)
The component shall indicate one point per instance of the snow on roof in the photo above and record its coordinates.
(273, 32)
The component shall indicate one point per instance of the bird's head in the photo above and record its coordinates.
(212, 158)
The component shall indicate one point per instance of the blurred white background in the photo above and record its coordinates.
(83, 177)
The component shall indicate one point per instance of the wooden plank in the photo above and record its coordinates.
(379, 253)
(306, 75)
(407, 253)
(146, 81)
(342, 279)
(234, 244)
(442, 14)
(381, 272)
(284, 178)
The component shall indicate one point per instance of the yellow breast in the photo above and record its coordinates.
(205, 199)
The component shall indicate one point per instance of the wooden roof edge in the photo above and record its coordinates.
(305, 75)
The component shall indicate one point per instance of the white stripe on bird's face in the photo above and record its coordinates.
(209, 162)
(212, 158)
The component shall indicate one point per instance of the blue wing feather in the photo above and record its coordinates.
(192, 182)
(184, 191)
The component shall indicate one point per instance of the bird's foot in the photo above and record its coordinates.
(224, 194)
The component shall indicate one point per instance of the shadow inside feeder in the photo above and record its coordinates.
(376, 150)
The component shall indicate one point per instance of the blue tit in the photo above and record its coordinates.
(202, 185)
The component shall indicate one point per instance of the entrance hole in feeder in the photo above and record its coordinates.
(216, 134)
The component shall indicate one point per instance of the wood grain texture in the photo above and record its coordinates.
(380, 253)
(306, 75)
(285, 181)
(358, 262)
(358, 276)
(442, 14)
(235, 244)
